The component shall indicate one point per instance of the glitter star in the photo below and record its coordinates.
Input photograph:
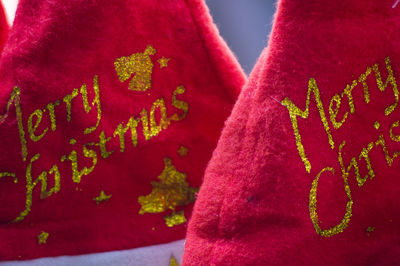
(183, 151)
(42, 237)
(163, 61)
(172, 261)
(102, 197)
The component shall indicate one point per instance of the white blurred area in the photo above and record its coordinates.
(11, 7)
(244, 24)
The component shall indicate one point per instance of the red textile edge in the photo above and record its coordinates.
(225, 63)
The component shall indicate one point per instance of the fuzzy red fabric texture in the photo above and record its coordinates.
(306, 171)
(110, 112)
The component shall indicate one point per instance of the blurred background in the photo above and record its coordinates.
(244, 24)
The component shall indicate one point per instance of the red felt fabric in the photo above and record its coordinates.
(57, 46)
(254, 207)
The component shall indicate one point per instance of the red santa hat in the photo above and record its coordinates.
(110, 112)
(307, 169)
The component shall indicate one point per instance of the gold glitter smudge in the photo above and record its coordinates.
(96, 102)
(72, 141)
(102, 197)
(73, 157)
(390, 79)
(42, 237)
(333, 113)
(377, 125)
(85, 101)
(102, 143)
(68, 102)
(51, 107)
(369, 230)
(363, 78)
(183, 151)
(145, 124)
(92, 155)
(141, 65)
(313, 207)
(7, 174)
(164, 121)
(347, 91)
(295, 111)
(395, 138)
(122, 129)
(16, 99)
(163, 61)
(353, 164)
(31, 129)
(389, 159)
(173, 261)
(153, 129)
(364, 154)
(57, 181)
(31, 184)
(178, 104)
(170, 192)
(175, 218)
